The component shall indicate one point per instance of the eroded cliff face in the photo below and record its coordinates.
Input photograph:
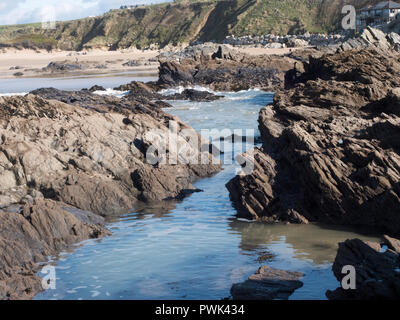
(330, 146)
(68, 158)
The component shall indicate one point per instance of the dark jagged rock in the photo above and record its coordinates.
(377, 272)
(132, 63)
(139, 89)
(61, 66)
(105, 103)
(96, 88)
(330, 146)
(264, 72)
(267, 284)
(194, 95)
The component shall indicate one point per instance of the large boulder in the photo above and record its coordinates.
(376, 270)
(330, 147)
(91, 152)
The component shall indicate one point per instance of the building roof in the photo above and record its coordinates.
(382, 5)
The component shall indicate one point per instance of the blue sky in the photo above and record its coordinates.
(25, 11)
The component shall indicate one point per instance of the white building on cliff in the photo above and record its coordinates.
(378, 15)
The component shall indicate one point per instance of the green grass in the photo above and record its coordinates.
(183, 21)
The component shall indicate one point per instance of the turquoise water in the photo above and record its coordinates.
(196, 249)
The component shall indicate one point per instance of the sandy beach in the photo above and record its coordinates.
(30, 62)
(13, 62)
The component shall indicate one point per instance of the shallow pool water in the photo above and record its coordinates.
(196, 249)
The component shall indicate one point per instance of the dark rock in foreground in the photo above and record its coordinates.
(91, 152)
(377, 271)
(267, 284)
(66, 156)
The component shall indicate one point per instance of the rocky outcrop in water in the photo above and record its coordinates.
(150, 90)
(267, 284)
(194, 95)
(89, 153)
(31, 234)
(225, 72)
(376, 269)
(67, 156)
(330, 146)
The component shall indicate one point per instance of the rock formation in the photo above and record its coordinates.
(150, 90)
(225, 71)
(89, 153)
(194, 95)
(66, 156)
(376, 267)
(267, 284)
(33, 232)
(330, 146)
(371, 37)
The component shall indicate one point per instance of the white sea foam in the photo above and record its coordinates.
(13, 94)
(180, 89)
(111, 92)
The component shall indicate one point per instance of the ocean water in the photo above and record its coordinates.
(72, 82)
(197, 248)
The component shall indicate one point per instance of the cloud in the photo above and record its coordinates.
(26, 11)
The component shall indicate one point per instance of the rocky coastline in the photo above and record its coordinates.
(67, 158)
(330, 153)
(329, 148)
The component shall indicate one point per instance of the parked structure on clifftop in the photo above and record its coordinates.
(378, 15)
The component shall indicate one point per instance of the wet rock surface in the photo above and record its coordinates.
(267, 284)
(376, 268)
(330, 150)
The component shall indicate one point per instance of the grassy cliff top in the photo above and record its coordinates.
(182, 21)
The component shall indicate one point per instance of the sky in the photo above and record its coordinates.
(26, 11)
